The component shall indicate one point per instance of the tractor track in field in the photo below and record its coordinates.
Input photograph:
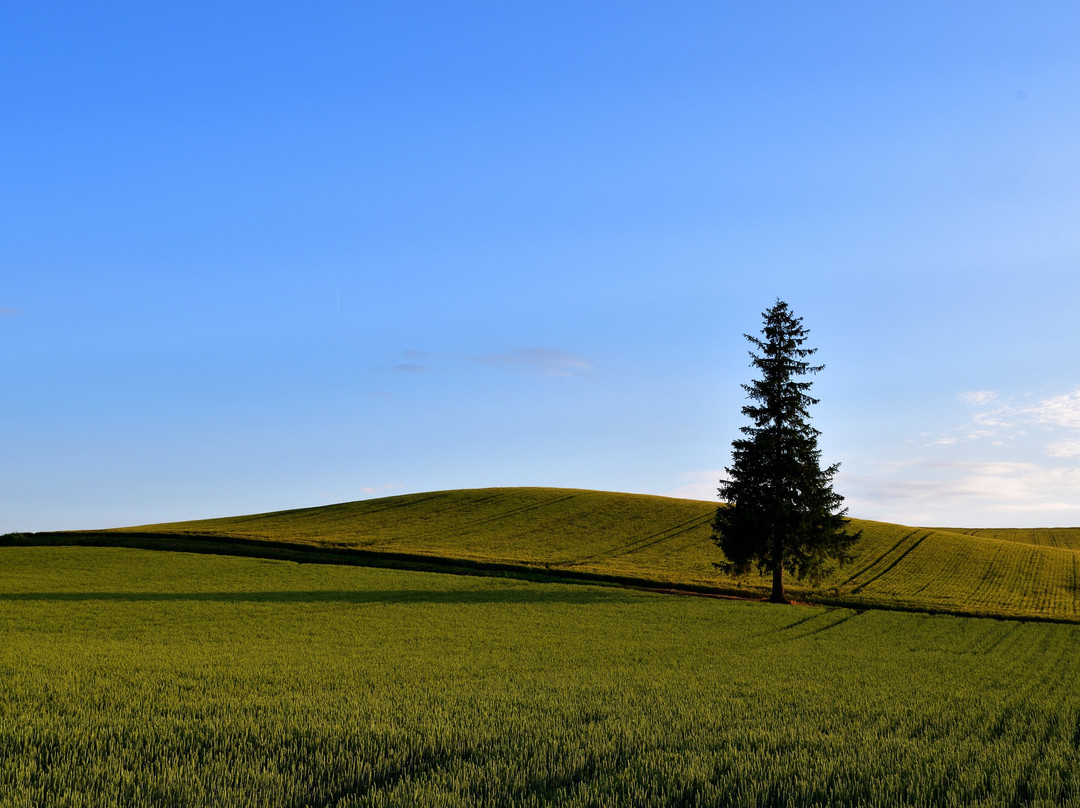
(895, 561)
(881, 557)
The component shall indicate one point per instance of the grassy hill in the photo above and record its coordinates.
(1066, 537)
(651, 540)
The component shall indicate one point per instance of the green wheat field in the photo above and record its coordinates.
(939, 668)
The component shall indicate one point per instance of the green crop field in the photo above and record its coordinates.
(131, 678)
(135, 678)
(1066, 537)
(1004, 573)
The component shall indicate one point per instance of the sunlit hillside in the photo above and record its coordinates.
(647, 540)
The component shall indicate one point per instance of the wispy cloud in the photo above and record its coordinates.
(542, 360)
(1064, 448)
(408, 367)
(978, 398)
(1026, 474)
(6, 312)
(999, 421)
(1059, 411)
(974, 494)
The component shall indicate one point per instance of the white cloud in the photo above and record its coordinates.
(1024, 475)
(978, 398)
(1061, 411)
(543, 360)
(1003, 421)
(972, 494)
(1000, 418)
(1064, 448)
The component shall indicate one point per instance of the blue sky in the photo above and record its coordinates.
(264, 256)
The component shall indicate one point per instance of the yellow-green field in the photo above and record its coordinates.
(1004, 573)
(133, 678)
(136, 679)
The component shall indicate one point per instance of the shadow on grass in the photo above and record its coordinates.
(508, 596)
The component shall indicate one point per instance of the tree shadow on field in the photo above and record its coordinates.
(369, 596)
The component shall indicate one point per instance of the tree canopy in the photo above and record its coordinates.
(780, 511)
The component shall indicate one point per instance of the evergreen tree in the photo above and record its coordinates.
(781, 512)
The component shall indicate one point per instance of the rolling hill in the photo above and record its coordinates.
(642, 540)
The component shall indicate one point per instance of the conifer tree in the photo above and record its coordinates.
(780, 510)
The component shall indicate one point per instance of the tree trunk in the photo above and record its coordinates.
(778, 595)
